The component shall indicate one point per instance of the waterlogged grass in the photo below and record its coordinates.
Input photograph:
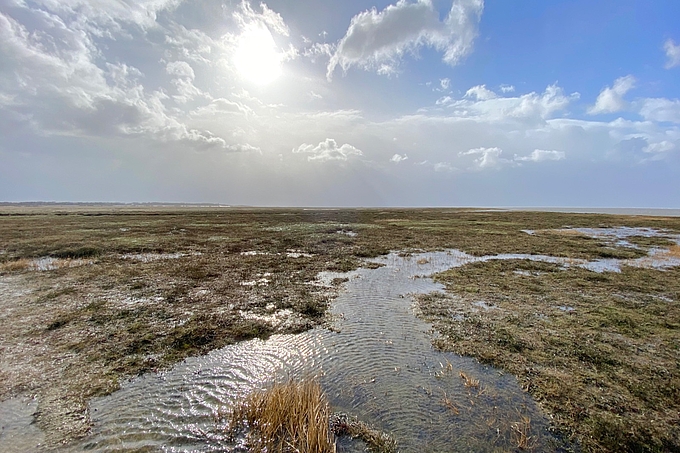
(296, 417)
(600, 351)
(289, 417)
(155, 285)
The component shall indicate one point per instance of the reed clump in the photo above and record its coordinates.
(288, 417)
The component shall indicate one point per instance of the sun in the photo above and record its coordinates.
(256, 56)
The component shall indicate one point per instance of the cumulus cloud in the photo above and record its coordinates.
(507, 88)
(55, 72)
(659, 147)
(398, 158)
(247, 16)
(328, 150)
(480, 93)
(660, 109)
(672, 53)
(486, 157)
(484, 104)
(441, 166)
(541, 155)
(183, 82)
(378, 40)
(611, 100)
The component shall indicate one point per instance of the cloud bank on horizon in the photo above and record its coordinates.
(299, 103)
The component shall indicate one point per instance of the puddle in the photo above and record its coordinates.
(298, 254)
(18, 433)
(47, 263)
(149, 257)
(379, 366)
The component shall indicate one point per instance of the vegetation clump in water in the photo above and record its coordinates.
(376, 441)
(296, 417)
(289, 417)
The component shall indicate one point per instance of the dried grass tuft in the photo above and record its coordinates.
(674, 251)
(521, 433)
(289, 417)
(16, 265)
(469, 381)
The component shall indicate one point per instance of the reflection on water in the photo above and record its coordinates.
(378, 366)
(18, 434)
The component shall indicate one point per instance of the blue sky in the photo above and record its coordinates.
(325, 103)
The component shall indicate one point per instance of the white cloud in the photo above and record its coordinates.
(672, 53)
(488, 157)
(441, 166)
(541, 155)
(247, 17)
(398, 158)
(378, 40)
(507, 88)
(445, 83)
(328, 150)
(611, 100)
(53, 72)
(659, 147)
(660, 109)
(531, 106)
(184, 82)
(445, 100)
(480, 93)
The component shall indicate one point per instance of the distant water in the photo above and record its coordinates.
(662, 212)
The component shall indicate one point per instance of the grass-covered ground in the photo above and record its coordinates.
(130, 290)
(599, 351)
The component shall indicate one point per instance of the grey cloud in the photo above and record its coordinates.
(50, 69)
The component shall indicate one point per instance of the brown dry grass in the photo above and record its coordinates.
(521, 433)
(15, 265)
(469, 381)
(289, 417)
(674, 251)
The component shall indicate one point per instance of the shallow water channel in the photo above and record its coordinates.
(376, 364)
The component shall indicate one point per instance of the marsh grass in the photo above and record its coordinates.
(521, 433)
(71, 332)
(288, 417)
(469, 381)
(599, 351)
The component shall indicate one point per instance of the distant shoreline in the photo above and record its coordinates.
(660, 212)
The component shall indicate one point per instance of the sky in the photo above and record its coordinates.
(341, 103)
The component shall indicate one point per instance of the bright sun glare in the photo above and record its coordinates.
(256, 57)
